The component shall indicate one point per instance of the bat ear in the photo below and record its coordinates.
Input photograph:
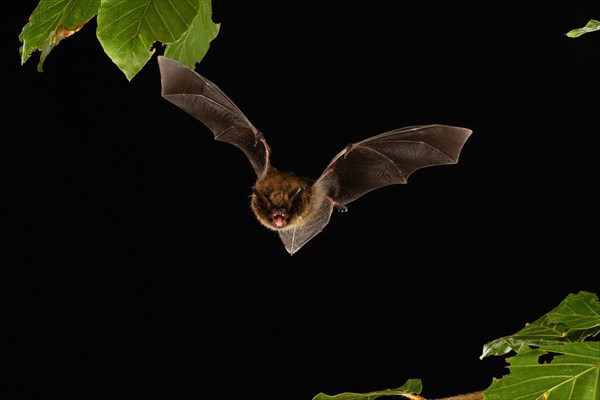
(260, 198)
(296, 196)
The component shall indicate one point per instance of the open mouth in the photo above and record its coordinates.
(279, 219)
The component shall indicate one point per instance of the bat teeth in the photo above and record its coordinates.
(279, 220)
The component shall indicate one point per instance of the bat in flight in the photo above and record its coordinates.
(296, 207)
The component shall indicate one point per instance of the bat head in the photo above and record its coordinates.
(281, 201)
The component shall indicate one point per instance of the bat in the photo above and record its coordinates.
(296, 207)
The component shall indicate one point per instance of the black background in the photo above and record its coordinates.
(133, 264)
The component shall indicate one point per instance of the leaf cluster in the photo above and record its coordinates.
(128, 30)
(556, 358)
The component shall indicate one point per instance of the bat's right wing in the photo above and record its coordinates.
(202, 99)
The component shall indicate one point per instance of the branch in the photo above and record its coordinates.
(466, 396)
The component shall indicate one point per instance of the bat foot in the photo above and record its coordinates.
(341, 208)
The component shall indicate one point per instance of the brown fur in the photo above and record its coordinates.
(279, 187)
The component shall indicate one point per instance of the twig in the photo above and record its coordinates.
(466, 396)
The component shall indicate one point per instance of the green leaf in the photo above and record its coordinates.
(591, 26)
(572, 374)
(534, 334)
(576, 318)
(51, 22)
(128, 29)
(194, 44)
(411, 386)
(578, 311)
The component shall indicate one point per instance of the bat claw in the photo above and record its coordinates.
(341, 208)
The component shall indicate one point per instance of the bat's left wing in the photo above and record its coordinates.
(389, 158)
(385, 159)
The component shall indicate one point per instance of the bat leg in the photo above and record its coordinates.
(339, 207)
